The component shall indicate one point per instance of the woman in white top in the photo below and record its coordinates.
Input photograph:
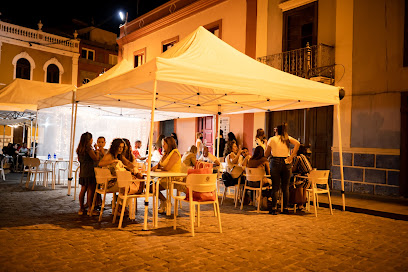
(199, 144)
(233, 158)
(280, 164)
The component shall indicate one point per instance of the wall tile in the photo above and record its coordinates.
(386, 190)
(393, 178)
(347, 158)
(348, 186)
(375, 176)
(353, 174)
(388, 161)
(363, 188)
(364, 160)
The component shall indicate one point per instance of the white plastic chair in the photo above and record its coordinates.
(320, 177)
(26, 168)
(34, 168)
(202, 183)
(235, 173)
(124, 179)
(254, 175)
(2, 168)
(102, 176)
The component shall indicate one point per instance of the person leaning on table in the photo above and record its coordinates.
(189, 158)
(171, 162)
(278, 147)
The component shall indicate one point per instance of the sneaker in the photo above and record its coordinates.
(93, 213)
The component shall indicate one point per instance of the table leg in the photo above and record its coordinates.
(156, 210)
(168, 210)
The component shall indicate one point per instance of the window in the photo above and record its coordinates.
(169, 43)
(140, 57)
(300, 27)
(53, 73)
(215, 28)
(88, 54)
(113, 59)
(23, 69)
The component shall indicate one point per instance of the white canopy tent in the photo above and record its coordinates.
(203, 74)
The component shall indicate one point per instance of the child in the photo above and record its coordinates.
(100, 149)
(86, 158)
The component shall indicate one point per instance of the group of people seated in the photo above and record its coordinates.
(120, 157)
(15, 153)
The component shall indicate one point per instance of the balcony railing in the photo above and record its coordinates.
(313, 62)
(38, 37)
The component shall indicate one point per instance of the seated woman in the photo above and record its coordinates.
(233, 157)
(116, 161)
(258, 160)
(171, 162)
(189, 158)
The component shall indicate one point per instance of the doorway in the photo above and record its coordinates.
(318, 131)
(403, 178)
(205, 126)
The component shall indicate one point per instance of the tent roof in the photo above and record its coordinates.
(22, 94)
(203, 74)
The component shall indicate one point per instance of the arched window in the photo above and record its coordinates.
(23, 69)
(53, 73)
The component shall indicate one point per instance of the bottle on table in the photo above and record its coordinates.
(49, 156)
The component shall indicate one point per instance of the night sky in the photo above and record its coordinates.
(58, 15)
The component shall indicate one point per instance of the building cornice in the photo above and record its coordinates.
(292, 4)
(38, 47)
(163, 22)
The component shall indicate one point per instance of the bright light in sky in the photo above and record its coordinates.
(122, 16)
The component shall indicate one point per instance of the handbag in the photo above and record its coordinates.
(297, 195)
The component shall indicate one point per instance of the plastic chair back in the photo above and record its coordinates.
(124, 178)
(319, 176)
(102, 174)
(254, 174)
(34, 162)
(202, 182)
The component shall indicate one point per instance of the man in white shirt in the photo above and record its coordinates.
(208, 157)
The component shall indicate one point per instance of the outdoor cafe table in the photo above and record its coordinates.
(168, 176)
(54, 163)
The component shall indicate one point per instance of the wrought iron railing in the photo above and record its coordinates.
(309, 62)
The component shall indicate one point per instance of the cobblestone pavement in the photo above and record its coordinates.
(41, 231)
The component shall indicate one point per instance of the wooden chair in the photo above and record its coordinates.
(320, 177)
(124, 179)
(34, 168)
(202, 183)
(102, 176)
(254, 175)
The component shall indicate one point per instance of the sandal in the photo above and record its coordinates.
(93, 213)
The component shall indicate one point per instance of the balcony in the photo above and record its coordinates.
(313, 62)
(38, 37)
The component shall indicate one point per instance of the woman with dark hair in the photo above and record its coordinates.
(260, 138)
(171, 162)
(115, 160)
(233, 155)
(231, 137)
(86, 158)
(278, 147)
(174, 135)
(128, 153)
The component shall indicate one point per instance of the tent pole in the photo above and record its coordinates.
(4, 135)
(218, 134)
(340, 156)
(35, 134)
(71, 140)
(24, 133)
(149, 163)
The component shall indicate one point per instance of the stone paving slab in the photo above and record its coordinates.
(41, 231)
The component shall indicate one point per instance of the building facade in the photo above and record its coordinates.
(35, 55)
(357, 44)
